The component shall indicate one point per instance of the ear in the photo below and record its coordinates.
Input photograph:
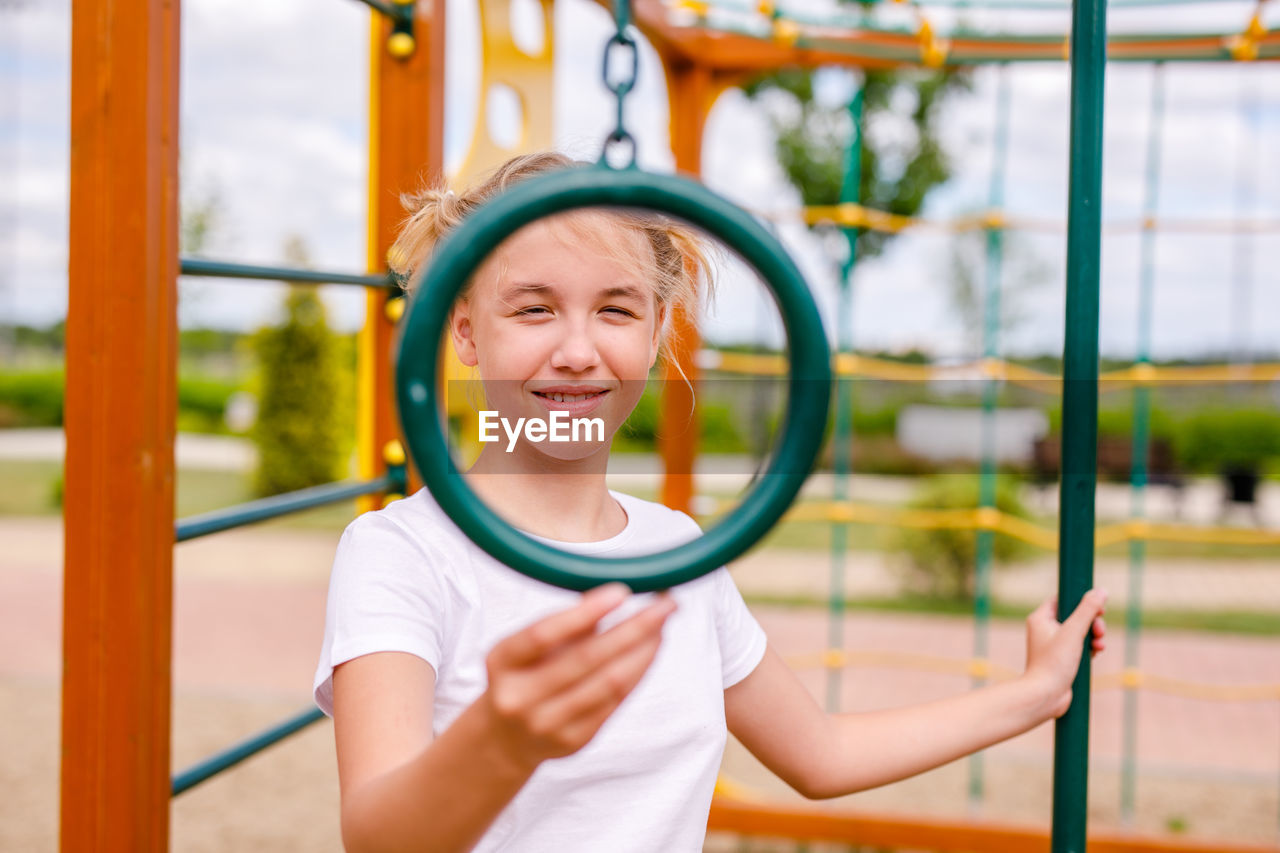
(462, 333)
(657, 334)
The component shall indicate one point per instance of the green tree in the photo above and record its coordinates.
(302, 430)
(1022, 274)
(902, 158)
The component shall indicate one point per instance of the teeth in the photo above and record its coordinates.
(570, 398)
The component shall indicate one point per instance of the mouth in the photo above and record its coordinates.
(575, 404)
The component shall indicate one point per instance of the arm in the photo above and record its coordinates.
(551, 687)
(823, 755)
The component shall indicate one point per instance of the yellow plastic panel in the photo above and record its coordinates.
(529, 74)
(529, 77)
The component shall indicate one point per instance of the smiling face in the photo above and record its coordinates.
(562, 318)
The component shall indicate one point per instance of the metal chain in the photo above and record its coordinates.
(621, 43)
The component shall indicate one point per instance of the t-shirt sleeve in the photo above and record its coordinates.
(742, 640)
(387, 593)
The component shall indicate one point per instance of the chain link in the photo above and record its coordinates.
(620, 43)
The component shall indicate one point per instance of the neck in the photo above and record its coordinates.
(564, 500)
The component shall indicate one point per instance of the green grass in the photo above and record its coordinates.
(29, 490)
(29, 487)
(817, 536)
(1197, 551)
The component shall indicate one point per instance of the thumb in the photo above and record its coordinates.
(1048, 609)
(1081, 620)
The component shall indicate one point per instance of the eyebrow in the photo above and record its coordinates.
(537, 288)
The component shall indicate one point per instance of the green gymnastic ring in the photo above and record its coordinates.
(462, 253)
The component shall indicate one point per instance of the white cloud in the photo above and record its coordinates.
(274, 119)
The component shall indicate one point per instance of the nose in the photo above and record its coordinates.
(576, 350)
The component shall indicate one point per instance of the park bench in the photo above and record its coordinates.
(1115, 462)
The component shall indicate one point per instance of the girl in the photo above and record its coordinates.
(475, 708)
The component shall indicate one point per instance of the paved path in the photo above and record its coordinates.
(218, 452)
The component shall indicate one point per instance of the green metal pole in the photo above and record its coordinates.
(288, 503)
(213, 765)
(850, 191)
(221, 269)
(1141, 445)
(990, 396)
(1080, 406)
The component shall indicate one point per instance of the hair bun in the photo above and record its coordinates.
(433, 212)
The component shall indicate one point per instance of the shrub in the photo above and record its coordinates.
(1118, 423)
(202, 403)
(716, 427)
(1243, 438)
(943, 562)
(34, 398)
(304, 399)
(31, 398)
(638, 433)
(717, 430)
(57, 491)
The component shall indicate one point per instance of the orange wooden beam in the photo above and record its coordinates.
(120, 421)
(690, 93)
(406, 148)
(725, 52)
(729, 53)
(814, 823)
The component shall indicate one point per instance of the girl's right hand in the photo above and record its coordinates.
(553, 684)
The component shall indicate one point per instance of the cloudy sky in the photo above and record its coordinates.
(274, 122)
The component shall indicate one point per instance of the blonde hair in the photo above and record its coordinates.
(681, 262)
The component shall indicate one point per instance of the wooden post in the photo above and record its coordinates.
(406, 147)
(120, 420)
(691, 93)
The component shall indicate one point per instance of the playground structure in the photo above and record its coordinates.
(121, 356)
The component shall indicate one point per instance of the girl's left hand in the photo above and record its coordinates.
(1053, 647)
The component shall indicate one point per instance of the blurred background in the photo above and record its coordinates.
(928, 530)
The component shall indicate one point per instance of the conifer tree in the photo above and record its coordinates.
(299, 433)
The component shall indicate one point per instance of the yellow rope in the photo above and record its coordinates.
(850, 215)
(990, 518)
(858, 366)
(1129, 679)
(1146, 374)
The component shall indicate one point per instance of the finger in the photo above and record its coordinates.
(537, 640)
(580, 660)
(1046, 608)
(1043, 619)
(590, 702)
(1090, 606)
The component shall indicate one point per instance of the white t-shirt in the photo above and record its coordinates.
(407, 579)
